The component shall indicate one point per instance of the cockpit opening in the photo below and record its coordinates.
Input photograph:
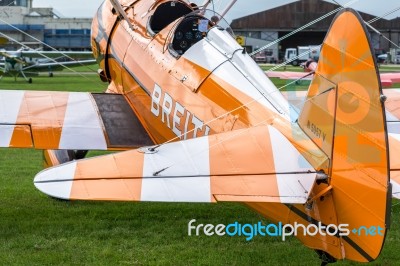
(190, 30)
(193, 28)
(165, 14)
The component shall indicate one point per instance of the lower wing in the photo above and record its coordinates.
(251, 165)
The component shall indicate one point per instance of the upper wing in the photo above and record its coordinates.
(61, 64)
(252, 165)
(56, 54)
(68, 120)
(13, 57)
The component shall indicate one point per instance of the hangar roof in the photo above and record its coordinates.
(297, 14)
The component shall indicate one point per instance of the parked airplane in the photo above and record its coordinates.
(15, 63)
(201, 122)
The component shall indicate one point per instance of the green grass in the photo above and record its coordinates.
(38, 230)
(283, 68)
(59, 82)
(84, 68)
(391, 68)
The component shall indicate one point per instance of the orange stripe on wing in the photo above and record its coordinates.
(45, 112)
(228, 156)
(124, 177)
(21, 137)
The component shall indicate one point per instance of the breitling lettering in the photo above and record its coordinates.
(175, 116)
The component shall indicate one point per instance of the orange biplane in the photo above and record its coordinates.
(201, 122)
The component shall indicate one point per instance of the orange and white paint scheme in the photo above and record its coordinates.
(200, 122)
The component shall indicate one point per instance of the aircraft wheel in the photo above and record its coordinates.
(80, 154)
(30, 80)
(51, 75)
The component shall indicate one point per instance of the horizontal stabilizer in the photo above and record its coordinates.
(253, 165)
(68, 120)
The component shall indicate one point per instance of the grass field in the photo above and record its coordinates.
(38, 230)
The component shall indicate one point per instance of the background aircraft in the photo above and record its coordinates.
(15, 63)
(222, 131)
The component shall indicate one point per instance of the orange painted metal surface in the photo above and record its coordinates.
(45, 112)
(21, 137)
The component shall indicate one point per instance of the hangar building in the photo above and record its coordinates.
(274, 23)
(44, 24)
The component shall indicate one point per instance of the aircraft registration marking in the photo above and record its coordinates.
(175, 116)
(316, 130)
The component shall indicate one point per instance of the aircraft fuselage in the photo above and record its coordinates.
(210, 87)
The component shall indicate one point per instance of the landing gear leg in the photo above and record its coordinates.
(29, 80)
(325, 257)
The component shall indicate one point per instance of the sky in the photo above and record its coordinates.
(76, 8)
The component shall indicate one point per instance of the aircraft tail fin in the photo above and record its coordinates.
(345, 116)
